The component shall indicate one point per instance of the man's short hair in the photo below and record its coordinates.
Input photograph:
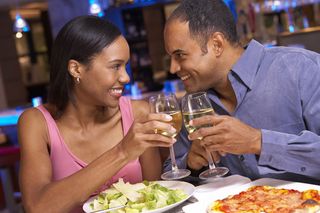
(206, 17)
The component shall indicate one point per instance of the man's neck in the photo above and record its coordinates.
(225, 91)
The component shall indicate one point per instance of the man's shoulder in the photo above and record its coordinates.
(293, 54)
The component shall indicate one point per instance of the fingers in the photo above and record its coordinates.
(208, 126)
(204, 120)
(154, 126)
(202, 132)
(222, 153)
(209, 120)
(216, 148)
(216, 156)
(158, 140)
(213, 137)
(195, 161)
(155, 116)
(197, 149)
(155, 123)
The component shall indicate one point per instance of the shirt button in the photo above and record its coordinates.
(302, 169)
(241, 157)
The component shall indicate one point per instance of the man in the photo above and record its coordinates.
(267, 100)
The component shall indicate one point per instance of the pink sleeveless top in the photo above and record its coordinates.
(65, 163)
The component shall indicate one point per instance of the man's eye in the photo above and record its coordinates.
(179, 55)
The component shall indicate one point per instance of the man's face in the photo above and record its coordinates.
(195, 68)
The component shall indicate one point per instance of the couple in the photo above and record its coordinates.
(88, 136)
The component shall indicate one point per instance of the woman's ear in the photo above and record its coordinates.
(217, 43)
(74, 69)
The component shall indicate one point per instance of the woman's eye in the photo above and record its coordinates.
(116, 67)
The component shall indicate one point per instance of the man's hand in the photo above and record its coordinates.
(227, 134)
(198, 158)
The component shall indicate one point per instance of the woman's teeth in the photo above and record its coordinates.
(116, 91)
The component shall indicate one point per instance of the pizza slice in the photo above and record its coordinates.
(267, 199)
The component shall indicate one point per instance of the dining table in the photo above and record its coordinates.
(218, 188)
(205, 188)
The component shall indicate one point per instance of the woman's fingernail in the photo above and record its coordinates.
(174, 140)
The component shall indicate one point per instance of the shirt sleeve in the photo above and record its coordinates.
(291, 153)
(297, 153)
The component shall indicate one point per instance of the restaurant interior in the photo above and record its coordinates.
(28, 28)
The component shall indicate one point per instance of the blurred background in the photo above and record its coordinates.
(28, 27)
(25, 52)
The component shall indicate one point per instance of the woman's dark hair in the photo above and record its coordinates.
(80, 39)
(206, 17)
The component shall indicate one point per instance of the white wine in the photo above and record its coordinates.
(188, 116)
(176, 122)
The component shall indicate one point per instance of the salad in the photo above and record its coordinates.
(136, 198)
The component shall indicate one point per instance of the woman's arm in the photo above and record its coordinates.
(151, 164)
(150, 160)
(39, 192)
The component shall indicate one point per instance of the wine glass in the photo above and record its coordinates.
(168, 104)
(196, 105)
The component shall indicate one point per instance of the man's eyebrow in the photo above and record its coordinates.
(177, 51)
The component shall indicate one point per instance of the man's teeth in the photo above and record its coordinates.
(185, 77)
(119, 91)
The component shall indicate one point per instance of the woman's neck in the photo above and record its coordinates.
(88, 115)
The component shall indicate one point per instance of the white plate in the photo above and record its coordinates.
(186, 187)
(201, 206)
(209, 189)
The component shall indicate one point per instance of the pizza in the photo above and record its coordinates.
(267, 199)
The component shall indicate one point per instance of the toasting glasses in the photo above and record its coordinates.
(196, 105)
(168, 104)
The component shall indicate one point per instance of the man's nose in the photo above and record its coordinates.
(174, 67)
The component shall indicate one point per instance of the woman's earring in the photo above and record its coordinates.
(78, 80)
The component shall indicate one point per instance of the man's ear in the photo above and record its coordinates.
(74, 68)
(217, 43)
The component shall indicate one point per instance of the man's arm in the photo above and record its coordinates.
(298, 152)
(291, 148)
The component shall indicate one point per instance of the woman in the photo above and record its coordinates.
(87, 136)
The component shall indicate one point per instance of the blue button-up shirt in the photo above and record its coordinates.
(277, 91)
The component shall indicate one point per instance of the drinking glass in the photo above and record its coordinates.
(168, 104)
(196, 105)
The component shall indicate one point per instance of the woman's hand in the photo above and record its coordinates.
(142, 134)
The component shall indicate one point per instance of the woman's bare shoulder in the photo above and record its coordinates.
(30, 114)
(30, 119)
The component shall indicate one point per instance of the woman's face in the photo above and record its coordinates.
(102, 82)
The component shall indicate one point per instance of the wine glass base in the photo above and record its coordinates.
(213, 173)
(175, 174)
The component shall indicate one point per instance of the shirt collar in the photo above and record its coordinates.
(249, 62)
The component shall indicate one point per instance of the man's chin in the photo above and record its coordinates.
(192, 90)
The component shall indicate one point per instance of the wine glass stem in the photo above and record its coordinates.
(174, 166)
(210, 160)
